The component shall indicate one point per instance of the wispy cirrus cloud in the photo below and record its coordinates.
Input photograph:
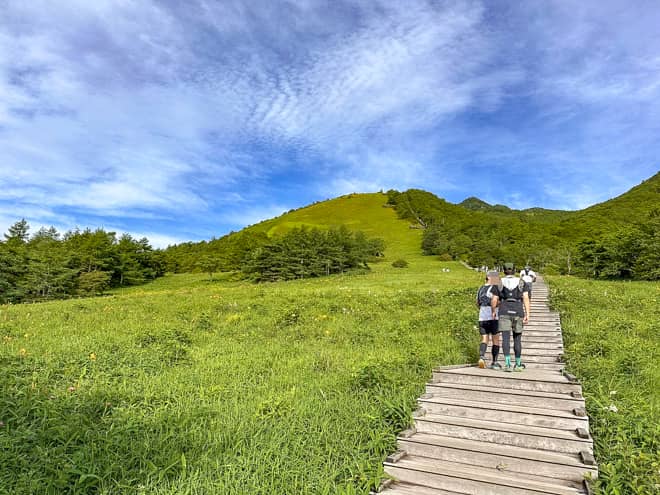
(191, 119)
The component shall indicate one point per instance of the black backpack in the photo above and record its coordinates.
(513, 294)
(484, 295)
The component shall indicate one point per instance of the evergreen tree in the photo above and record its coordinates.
(18, 232)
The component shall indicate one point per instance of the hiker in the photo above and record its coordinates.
(488, 298)
(529, 276)
(513, 314)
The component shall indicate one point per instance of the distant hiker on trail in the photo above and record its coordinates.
(514, 313)
(529, 276)
(488, 298)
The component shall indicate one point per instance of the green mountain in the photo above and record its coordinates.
(631, 207)
(473, 230)
(368, 213)
(476, 204)
(620, 232)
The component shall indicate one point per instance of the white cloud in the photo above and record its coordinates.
(156, 111)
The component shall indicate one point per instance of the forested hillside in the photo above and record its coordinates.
(335, 230)
(615, 239)
(619, 238)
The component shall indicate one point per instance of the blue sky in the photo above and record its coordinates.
(185, 120)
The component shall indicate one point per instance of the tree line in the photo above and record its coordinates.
(299, 253)
(597, 242)
(49, 265)
(306, 253)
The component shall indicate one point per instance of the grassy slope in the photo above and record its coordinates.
(189, 385)
(194, 386)
(363, 212)
(612, 343)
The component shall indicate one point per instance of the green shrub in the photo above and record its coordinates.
(400, 263)
(611, 343)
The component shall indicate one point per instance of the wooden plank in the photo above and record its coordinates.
(539, 376)
(504, 460)
(568, 397)
(504, 433)
(532, 380)
(497, 395)
(504, 412)
(461, 478)
(542, 456)
(408, 489)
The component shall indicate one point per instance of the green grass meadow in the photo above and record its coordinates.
(198, 386)
(191, 385)
(612, 343)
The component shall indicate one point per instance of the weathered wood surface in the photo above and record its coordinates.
(487, 432)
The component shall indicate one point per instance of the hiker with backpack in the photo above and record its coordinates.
(513, 314)
(529, 276)
(488, 298)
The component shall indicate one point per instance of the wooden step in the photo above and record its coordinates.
(535, 349)
(533, 380)
(531, 357)
(561, 402)
(504, 413)
(516, 460)
(463, 478)
(399, 488)
(530, 437)
(533, 344)
(545, 366)
(543, 339)
(552, 336)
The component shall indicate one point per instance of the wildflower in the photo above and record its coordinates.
(2, 423)
(612, 392)
(71, 389)
(92, 356)
(613, 408)
(22, 352)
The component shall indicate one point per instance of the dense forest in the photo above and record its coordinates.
(616, 239)
(47, 265)
(305, 253)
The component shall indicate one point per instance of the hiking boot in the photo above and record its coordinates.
(495, 366)
(519, 367)
(482, 363)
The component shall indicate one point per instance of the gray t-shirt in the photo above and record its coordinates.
(485, 312)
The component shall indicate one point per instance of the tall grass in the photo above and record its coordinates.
(191, 386)
(612, 343)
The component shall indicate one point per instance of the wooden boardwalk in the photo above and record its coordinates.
(488, 432)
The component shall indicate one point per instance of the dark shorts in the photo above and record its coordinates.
(488, 327)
